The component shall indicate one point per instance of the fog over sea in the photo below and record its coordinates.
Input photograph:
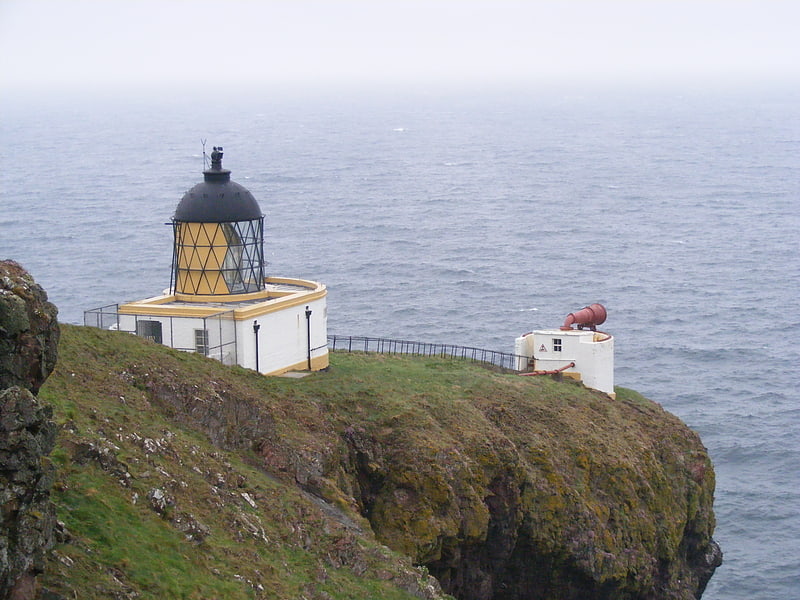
(472, 217)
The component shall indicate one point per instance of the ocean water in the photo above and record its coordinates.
(471, 217)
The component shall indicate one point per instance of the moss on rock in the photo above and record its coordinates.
(502, 487)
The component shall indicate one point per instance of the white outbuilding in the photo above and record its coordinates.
(583, 353)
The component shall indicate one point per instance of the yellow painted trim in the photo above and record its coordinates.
(138, 308)
(278, 304)
(305, 283)
(285, 299)
(317, 364)
(301, 282)
(153, 300)
(221, 297)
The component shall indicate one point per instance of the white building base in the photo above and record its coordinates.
(592, 353)
(282, 328)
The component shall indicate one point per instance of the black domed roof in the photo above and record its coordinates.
(217, 199)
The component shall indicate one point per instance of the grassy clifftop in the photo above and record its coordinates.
(183, 478)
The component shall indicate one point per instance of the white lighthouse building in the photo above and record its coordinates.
(220, 302)
(583, 353)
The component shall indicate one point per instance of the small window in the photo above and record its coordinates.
(556, 344)
(149, 330)
(201, 341)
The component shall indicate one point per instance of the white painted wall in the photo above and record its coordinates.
(592, 352)
(282, 337)
(176, 332)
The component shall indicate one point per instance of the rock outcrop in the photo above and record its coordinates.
(503, 488)
(610, 500)
(28, 349)
(28, 330)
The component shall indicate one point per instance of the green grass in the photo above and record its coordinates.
(137, 416)
(123, 545)
(102, 395)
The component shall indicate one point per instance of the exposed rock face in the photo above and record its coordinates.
(27, 435)
(541, 513)
(28, 330)
(28, 349)
(505, 490)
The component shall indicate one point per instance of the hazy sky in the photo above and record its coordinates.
(125, 42)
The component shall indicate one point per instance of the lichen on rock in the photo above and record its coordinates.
(501, 487)
(28, 349)
(28, 330)
(532, 490)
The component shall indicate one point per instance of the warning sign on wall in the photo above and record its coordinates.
(542, 348)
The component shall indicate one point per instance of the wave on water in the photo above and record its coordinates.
(469, 230)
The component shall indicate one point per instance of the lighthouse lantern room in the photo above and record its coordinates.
(220, 302)
(219, 237)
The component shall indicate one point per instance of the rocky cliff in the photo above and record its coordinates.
(29, 336)
(335, 484)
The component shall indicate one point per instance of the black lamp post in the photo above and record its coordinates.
(256, 327)
(308, 334)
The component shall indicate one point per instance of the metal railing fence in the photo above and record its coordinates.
(220, 330)
(350, 343)
(224, 345)
(105, 317)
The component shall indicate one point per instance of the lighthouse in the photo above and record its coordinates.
(221, 303)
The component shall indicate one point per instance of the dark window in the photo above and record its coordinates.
(150, 330)
(201, 341)
(556, 344)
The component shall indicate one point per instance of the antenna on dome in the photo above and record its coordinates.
(205, 158)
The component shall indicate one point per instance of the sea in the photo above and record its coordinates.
(470, 216)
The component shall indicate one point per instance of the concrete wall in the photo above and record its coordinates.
(282, 336)
(591, 351)
(283, 339)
